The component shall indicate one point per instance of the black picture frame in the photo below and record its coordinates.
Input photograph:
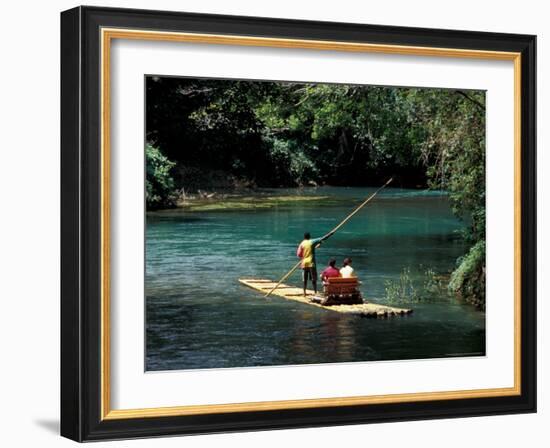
(81, 224)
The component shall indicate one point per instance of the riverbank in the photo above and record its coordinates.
(216, 201)
(264, 198)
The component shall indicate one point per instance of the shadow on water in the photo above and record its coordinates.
(199, 316)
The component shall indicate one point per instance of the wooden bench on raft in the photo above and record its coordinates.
(340, 291)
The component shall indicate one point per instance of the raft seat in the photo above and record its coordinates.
(339, 285)
(338, 290)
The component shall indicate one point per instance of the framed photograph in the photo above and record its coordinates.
(273, 223)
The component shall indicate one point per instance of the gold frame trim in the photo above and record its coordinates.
(107, 35)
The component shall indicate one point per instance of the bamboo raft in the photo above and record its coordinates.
(297, 294)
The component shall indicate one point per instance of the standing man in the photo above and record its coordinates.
(306, 251)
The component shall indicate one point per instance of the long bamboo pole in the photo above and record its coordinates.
(328, 235)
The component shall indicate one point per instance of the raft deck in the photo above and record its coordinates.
(297, 294)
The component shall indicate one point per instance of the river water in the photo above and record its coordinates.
(199, 316)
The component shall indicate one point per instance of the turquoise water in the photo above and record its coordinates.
(199, 316)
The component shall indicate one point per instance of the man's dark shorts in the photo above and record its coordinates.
(310, 273)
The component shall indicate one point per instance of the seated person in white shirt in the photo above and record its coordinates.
(347, 271)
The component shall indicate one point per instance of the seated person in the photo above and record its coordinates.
(347, 271)
(330, 271)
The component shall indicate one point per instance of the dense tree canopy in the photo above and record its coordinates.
(289, 134)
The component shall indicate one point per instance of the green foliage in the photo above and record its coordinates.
(159, 184)
(290, 162)
(428, 286)
(453, 149)
(352, 133)
(433, 284)
(402, 290)
(468, 280)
